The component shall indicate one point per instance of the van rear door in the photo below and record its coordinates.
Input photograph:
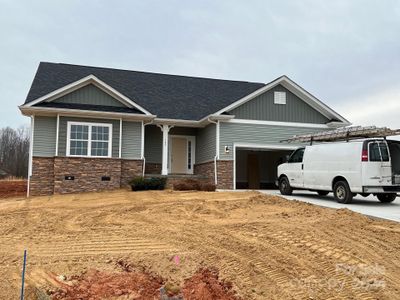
(377, 171)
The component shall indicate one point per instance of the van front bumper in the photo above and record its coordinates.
(381, 189)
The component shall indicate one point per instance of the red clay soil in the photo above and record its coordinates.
(132, 284)
(102, 285)
(10, 188)
(205, 284)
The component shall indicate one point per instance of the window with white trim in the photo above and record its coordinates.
(89, 139)
(280, 97)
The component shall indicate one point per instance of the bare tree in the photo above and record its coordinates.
(14, 150)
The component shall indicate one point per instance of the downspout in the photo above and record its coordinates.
(30, 154)
(143, 137)
(216, 149)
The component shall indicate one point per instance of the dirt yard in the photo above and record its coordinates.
(12, 188)
(267, 247)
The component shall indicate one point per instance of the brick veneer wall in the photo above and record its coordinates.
(130, 169)
(225, 174)
(48, 174)
(152, 168)
(205, 169)
(42, 179)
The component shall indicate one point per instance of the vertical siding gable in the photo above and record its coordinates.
(44, 136)
(263, 108)
(89, 94)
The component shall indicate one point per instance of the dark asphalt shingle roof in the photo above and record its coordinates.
(91, 107)
(167, 96)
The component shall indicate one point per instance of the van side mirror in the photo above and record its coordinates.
(287, 158)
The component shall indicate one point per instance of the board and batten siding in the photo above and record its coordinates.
(131, 140)
(62, 136)
(206, 144)
(263, 107)
(231, 133)
(89, 94)
(44, 136)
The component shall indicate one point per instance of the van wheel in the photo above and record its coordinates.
(386, 198)
(322, 193)
(342, 192)
(284, 186)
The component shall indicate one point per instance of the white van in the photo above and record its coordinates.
(367, 166)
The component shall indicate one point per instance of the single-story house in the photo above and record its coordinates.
(96, 128)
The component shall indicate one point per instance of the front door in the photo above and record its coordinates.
(179, 155)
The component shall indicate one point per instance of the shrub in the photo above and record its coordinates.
(144, 184)
(193, 185)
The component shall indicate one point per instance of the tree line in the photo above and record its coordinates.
(14, 151)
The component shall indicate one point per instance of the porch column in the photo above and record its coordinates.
(165, 129)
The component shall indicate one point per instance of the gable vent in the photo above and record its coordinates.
(280, 97)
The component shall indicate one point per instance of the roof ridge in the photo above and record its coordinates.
(154, 73)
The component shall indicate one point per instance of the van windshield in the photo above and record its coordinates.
(378, 151)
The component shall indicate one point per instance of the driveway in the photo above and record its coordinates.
(368, 206)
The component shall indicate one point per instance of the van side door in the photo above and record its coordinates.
(295, 168)
(377, 170)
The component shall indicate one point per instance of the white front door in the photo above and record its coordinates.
(181, 154)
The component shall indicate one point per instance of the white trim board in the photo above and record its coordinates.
(277, 123)
(91, 79)
(297, 90)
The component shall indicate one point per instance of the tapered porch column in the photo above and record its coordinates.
(165, 129)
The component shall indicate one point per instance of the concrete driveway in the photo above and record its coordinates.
(368, 206)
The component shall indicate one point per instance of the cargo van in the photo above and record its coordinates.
(366, 166)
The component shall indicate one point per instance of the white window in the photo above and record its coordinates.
(89, 139)
(280, 97)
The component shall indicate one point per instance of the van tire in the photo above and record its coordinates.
(386, 198)
(284, 186)
(342, 192)
(322, 193)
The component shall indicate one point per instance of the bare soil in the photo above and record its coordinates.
(12, 188)
(265, 246)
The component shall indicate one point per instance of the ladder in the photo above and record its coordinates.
(344, 134)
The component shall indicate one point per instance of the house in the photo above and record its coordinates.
(95, 128)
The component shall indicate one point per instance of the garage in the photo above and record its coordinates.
(256, 168)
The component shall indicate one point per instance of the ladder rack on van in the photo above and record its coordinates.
(345, 134)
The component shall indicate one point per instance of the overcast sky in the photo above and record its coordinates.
(347, 53)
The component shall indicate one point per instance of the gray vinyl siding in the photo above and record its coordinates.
(62, 138)
(231, 133)
(153, 144)
(182, 131)
(206, 144)
(89, 94)
(131, 140)
(44, 136)
(263, 108)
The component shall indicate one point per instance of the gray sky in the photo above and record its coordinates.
(347, 53)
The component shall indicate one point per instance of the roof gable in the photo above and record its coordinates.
(297, 90)
(91, 95)
(263, 108)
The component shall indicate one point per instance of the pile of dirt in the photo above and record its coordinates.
(129, 284)
(205, 284)
(12, 188)
(96, 284)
